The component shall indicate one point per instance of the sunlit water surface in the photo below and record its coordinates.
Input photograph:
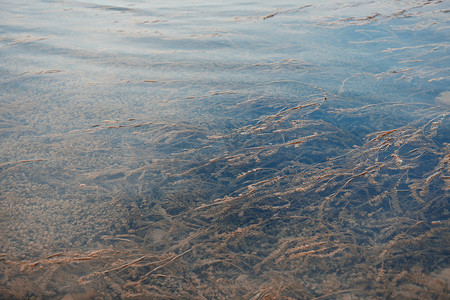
(224, 150)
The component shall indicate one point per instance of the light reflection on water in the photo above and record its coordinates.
(211, 150)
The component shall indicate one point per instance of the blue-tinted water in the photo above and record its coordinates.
(190, 149)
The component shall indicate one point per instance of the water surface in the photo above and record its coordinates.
(210, 150)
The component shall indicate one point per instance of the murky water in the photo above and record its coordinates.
(224, 150)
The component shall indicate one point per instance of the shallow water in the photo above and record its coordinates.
(190, 149)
